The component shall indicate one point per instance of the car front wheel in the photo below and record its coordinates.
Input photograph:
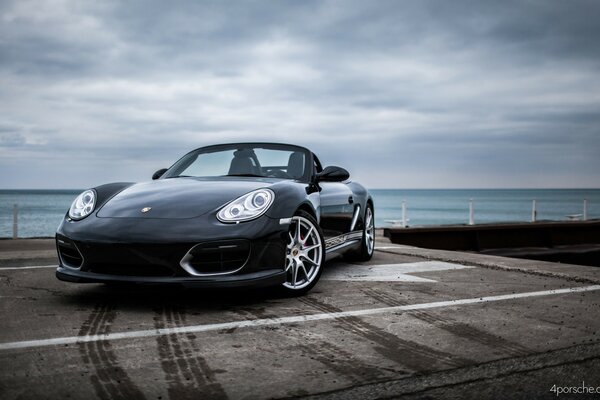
(304, 254)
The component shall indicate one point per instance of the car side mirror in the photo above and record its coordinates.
(333, 174)
(159, 173)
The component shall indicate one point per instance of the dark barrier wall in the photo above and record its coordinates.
(496, 236)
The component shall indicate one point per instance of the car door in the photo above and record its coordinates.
(337, 208)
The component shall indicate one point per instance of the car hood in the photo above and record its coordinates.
(177, 197)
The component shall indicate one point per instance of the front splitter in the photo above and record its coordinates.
(271, 277)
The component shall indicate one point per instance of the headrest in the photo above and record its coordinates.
(244, 153)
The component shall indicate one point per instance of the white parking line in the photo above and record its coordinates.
(283, 320)
(28, 267)
(387, 272)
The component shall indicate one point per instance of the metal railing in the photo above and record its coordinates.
(15, 221)
(403, 223)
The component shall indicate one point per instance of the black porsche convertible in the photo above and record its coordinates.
(244, 214)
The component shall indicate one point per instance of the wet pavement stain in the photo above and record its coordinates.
(340, 361)
(109, 379)
(333, 357)
(409, 354)
(459, 329)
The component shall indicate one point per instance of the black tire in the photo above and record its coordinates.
(299, 260)
(367, 243)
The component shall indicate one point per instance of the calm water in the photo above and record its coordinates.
(40, 211)
(444, 207)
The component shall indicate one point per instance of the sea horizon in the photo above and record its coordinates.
(40, 211)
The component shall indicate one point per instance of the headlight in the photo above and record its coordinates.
(83, 205)
(249, 206)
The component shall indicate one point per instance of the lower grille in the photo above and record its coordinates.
(215, 258)
(144, 260)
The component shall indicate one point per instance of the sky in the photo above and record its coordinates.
(404, 94)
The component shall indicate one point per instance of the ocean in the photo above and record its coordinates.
(40, 211)
(451, 206)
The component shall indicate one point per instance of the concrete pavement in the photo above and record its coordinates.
(411, 323)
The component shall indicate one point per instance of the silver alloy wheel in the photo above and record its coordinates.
(369, 231)
(304, 254)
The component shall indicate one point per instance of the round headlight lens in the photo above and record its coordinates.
(259, 200)
(249, 206)
(83, 205)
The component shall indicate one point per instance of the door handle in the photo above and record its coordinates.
(350, 199)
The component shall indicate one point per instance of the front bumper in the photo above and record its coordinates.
(255, 279)
(193, 252)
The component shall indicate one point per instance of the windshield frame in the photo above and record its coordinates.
(180, 165)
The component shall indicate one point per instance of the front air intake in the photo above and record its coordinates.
(69, 253)
(216, 258)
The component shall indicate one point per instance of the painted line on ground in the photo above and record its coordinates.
(388, 272)
(28, 267)
(283, 320)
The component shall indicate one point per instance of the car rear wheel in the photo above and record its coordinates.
(367, 244)
(304, 254)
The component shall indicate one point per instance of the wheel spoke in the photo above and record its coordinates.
(297, 238)
(306, 259)
(294, 274)
(309, 248)
(304, 269)
(307, 236)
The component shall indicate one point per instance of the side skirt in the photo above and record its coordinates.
(338, 245)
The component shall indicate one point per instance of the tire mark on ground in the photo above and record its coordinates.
(110, 380)
(187, 373)
(342, 362)
(456, 328)
(330, 355)
(407, 353)
(8, 279)
(54, 292)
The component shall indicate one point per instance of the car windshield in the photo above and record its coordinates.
(250, 160)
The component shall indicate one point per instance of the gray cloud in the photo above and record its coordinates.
(405, 94)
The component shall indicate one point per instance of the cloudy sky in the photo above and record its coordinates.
(404, 94)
